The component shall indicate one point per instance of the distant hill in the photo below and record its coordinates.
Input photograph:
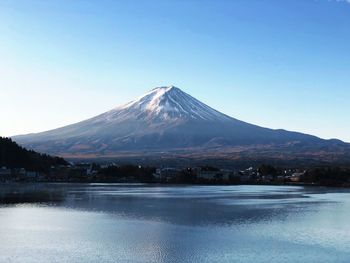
(168, 122)
(14, 156)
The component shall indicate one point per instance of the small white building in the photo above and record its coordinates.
(296, 177)
(166, 173)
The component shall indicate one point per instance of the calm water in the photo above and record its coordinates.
(141, 223)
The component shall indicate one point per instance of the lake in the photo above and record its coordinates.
(149, 223)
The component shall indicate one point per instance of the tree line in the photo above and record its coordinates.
(14, 156)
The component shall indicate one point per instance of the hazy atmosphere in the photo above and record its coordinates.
(175, 131)
(284, 64)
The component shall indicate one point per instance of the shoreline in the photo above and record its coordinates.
(174, 184)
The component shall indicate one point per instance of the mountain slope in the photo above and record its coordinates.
(166, 119)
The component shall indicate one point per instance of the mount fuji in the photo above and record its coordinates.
(167, 120)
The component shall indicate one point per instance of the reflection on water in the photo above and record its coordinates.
(147, 223)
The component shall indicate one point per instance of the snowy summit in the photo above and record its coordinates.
(169, 103)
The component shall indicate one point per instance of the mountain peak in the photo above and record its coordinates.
(161, 91)
(170, 103)
(165, 88)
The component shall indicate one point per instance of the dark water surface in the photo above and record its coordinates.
(144, 223)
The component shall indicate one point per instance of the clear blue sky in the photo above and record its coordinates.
(278, 64)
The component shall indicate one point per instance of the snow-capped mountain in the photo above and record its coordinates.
(166, 119)
(168, 104)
